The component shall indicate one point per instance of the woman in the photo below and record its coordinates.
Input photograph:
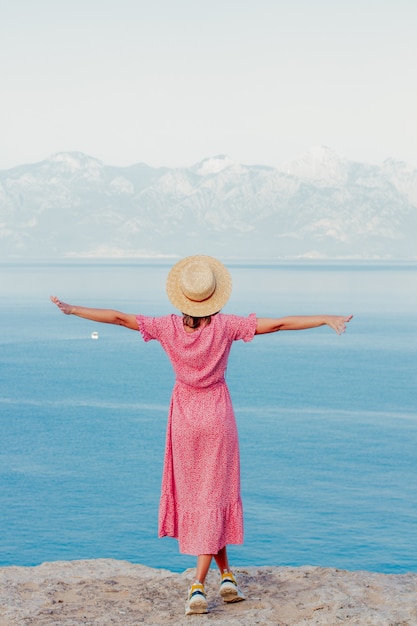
(200, 498)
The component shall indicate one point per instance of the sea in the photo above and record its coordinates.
(327, 423)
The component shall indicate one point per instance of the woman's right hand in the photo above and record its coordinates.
(338, 322)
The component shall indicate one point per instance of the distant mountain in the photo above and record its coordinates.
(317, 206)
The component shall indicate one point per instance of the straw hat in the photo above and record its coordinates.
(199, 285)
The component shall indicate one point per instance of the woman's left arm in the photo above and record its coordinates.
(104, 316)
(302, 322)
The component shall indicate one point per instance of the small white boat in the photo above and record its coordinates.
(94, 335)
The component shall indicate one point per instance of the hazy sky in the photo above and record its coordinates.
(170, 82)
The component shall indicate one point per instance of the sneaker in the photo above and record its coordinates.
(196, 602)
(229, 590)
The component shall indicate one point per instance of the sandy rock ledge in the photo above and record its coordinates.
(106, 592)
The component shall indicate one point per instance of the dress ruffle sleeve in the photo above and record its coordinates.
(244, 328)
(150, 327)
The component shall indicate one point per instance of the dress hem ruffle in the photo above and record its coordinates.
(204, 531)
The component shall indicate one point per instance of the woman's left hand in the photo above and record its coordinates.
(62, 306)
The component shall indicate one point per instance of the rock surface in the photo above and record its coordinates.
(107, 592)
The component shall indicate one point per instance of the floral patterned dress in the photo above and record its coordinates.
(200, 498)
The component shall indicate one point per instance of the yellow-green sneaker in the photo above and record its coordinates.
(229, 590)
(196, 602)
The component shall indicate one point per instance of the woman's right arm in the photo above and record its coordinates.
(104, 316)
(302, 322)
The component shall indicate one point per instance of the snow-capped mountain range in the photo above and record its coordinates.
(318, 206)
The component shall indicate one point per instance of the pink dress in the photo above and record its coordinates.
(200, 498)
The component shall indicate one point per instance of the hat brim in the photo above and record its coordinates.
(211, 305)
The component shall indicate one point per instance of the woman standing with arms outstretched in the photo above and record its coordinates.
(200, 498)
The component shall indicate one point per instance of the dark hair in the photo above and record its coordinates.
(195, 322)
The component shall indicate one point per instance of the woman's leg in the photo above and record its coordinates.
(229, 590)
(204, 562)
(203, 566)
(222, 560)
(196, 601)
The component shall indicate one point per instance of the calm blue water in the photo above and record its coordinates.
(328, 424)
